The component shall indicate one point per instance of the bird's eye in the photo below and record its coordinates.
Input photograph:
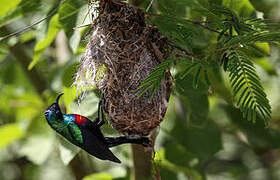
(46, 113)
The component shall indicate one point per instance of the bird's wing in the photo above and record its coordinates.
(92, 140)
(75, 134)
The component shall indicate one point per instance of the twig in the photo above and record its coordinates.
(34, 24)
(142, 162)
(199, 23)
(187, 54)
(151, 3)
(81, 26)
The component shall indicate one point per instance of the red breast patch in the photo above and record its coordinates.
(80, 119)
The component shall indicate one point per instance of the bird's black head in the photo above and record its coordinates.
(53, 111)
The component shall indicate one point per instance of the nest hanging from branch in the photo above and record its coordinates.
(121, 53)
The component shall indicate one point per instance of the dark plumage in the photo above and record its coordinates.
(86, 134)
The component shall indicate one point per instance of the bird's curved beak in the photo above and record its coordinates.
(57, 99)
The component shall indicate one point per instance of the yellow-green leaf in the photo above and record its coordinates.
(68, 97)
(9, 133)
(53, 29)
(264, 47)
(99, 176)
(7, 5)
(242, 7)
(266, 65)
(19, 9)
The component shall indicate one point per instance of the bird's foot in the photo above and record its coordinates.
(146, 142)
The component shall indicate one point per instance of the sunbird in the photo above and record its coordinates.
(87, 134)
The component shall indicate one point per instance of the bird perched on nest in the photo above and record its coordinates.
(127, 50)
(86, 134)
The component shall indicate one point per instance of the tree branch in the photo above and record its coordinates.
(142, 162)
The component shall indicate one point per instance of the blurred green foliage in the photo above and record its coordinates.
(203, 136)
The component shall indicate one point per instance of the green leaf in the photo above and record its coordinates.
(188, 70)
(171, 7)
(7, 5)
(225, 63)
(154, 79)
(10, 133)
(99, 176)
(196, 77)
(79, 33)
(247, 88)
(68, 74)
(257, 135)
(202, 141)
(68, 97)
(264, 5)
(199, 135)
(195, 100)
(206, 77)
(243, 7)
(163, 162)
(266, 65)
(264, 47)
(68, 15)
(53, 29)
(179, 31)
(252, 38)
(23, 8)
(177, 153)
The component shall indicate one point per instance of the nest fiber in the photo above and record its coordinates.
(121, 53)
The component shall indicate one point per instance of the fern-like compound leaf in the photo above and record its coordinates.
(247, 88)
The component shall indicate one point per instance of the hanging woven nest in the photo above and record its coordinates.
(121, 53)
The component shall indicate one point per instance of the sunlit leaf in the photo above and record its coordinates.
(68, 15)
(99, 176)
(82, 18)
(68, 97)
(53, 29)
(264, 47)
(266, 65)
(10, 133)
(28, 36)
(23, 8)
(243, 7)
(7, 5)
